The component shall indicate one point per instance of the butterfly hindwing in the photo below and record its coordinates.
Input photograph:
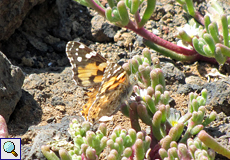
(115, 87)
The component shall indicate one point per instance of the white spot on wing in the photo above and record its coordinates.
(76, 53)
(77, 49)
(71, 59)
(88, 55)
(93, 53)
(67, 49)
(74, 65)
(117, 70)
(79, 59)
(82, 46)
(72, 44)
(109, 75)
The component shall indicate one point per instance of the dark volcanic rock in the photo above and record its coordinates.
(103, 31)
(11, 80)
(12, 14)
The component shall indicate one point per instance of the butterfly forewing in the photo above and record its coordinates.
(87, 65)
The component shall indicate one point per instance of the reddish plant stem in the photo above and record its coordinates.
(159, 41)
(199, 18)
(155, 146)
(146, 34)
(134, 117)
(210, 60)
(96, 7)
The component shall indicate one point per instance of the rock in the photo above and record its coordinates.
(78, 28)
(139, 41)
(45, 30)
(187, 88)
(59, 46)
(45, 134)
(37, 43)
(12, 14)
(28, 61)
(194, 80)
(102, 31)
(172, 74)
(126, 39)
(219, 95)
(26, 106)
(169, 8)
(57, 101)
(11, 80)
(51, 39)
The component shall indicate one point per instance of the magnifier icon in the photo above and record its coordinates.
(9, 147)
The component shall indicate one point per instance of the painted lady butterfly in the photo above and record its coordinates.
(109, 84)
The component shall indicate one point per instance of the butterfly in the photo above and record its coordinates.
(107, 83)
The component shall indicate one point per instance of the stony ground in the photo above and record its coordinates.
(50, 98)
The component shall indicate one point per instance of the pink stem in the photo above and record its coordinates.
(159, 41)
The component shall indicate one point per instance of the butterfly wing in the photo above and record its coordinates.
(88, 66)
(114, 89)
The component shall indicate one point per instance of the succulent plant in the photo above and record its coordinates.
(212, 43)
(88, 145)
(171, 135)
(211, 39)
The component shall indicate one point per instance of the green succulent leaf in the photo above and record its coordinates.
(148, 12)
(219, 56)
(191, 10)
(225, 30)
(123, 13)
(207, 22)
(111, 3)
(213, 30)
(198, 45)
(134, 6)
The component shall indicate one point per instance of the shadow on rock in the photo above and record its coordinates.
(26, 113)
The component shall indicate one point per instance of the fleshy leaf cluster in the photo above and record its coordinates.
(171, 134)
(210, 39)
(88, 145)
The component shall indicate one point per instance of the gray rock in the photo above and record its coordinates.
(78, 28)
(172, 74)
(187, 88)
(59, 46)
(39, 140)
(11, 80)
(139, 41)
(194, 80)
(45, 134)
(12, 14)
(102, 31)
(44, 31)
(36, 43)
(57, 100)
(219, 95)
(27, 112)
